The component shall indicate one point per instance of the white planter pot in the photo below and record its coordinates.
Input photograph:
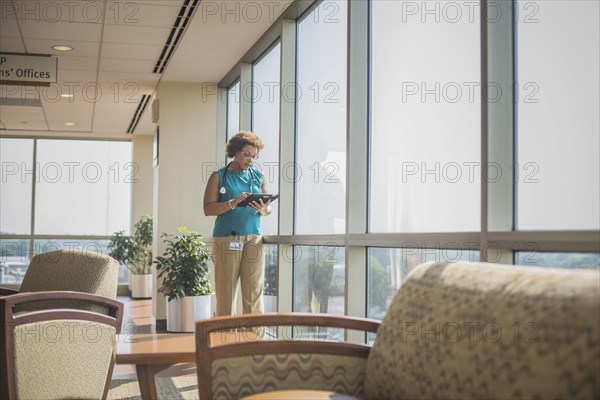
(270, 303)
(141, 286)
(183, 313)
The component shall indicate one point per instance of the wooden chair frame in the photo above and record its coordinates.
(206, 352)
(11, 320)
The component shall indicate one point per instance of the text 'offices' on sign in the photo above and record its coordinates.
(27, 69)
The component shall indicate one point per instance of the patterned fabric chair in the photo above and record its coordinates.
(57, 353)
(65, 348)
(452, 331)
(70, 270)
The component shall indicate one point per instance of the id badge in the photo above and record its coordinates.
(239, 246)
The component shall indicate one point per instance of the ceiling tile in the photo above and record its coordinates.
(78, 63)
(58, 31)
(80, 49)
(14, 116)
(20, 92)
(28, 11)
(128, 51)
(138, 13)
(136, 35)
(141, 80)
(8, 27)
(11, 45)
(120, 65)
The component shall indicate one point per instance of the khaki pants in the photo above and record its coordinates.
(232, 266)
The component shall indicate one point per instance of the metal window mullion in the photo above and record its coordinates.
(497, 150)
(33, 190)
(287, 141)
(357, 165)
(245, 97)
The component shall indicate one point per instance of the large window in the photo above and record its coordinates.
(320, 172)
(388, 267)
(84, 187)
(425, 143)
(471, 135)
(233, 109)
(265, 123)
(16, 156)
(558, 124)
(82, 196)
(319, 279)
(532, 257)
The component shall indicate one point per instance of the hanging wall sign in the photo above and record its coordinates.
(26, 69)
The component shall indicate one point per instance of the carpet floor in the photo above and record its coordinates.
(174, 388)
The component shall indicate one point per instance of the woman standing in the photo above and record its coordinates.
(238, 250)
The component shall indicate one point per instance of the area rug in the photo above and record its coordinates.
(174, 388)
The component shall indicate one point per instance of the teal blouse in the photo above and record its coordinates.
(241, 220)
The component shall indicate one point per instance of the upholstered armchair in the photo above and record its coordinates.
(57, 332)
(70, 270)
(452, 331)
(57, 353)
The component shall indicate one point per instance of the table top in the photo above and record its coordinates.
(167, 348)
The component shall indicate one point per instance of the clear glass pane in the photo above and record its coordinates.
(319, 279)
(388, 267)
(558, 124)
(271, 277)
(16, 185)
(558, 260)
(320, 172)
(233, 110)
(265, 123)
(425, 117)
(84, 187)
(14, 260)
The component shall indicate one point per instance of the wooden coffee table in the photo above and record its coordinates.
(153, 352)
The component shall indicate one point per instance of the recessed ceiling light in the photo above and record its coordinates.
(66, 95)
(70, 124)
(60, 47)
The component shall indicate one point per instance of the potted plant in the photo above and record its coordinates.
(185, 279)
(135, 252)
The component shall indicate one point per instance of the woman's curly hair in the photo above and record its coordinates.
(241, 139)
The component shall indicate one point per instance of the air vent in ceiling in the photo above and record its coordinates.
(186, 12)
(138, 113)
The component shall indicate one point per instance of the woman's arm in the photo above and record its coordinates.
(212, 205)
(263, 208)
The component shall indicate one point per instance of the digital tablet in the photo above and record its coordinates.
(256, 197)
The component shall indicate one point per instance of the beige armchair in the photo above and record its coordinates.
(70, 270)
(57, 332)
(57, 353)
(452, 331)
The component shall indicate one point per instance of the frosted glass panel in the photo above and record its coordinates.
(84, 187)
(265, 123)
(320, 172)
(16, 185)
(558, 120)
(233, 110)
(425, 118)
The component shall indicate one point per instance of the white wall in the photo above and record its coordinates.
(187, 141)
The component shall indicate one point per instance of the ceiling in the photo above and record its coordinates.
(115, 65)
